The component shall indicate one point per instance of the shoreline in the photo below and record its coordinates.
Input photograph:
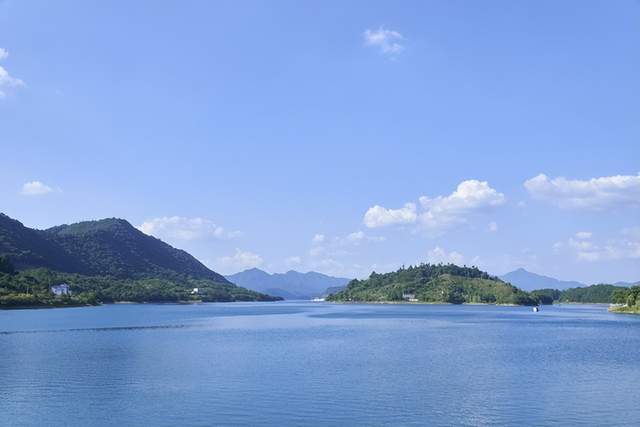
(424, 303)
(38, 307)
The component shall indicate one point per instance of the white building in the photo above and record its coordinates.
(61, 289)
(409, 297)
(195, 291)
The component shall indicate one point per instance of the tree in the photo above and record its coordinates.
(6, 266)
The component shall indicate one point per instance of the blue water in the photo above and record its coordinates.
(305, 363)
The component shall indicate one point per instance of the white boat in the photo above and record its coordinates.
(536, 309)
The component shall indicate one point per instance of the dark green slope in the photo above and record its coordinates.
(114, 247)
(435, 283)
(29, 248)
(594, 294)
(103, 261)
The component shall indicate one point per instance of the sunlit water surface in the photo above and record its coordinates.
(303, 363)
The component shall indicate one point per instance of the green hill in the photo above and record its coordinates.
(29, 248)
(108, 247)
(436, 284)
(594, 294)
(109, 258)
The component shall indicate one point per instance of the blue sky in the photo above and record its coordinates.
(335, 137)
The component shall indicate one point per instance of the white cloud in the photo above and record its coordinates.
(336, 246)
(584, 235)
(6, 80)
(439, 255)
(331, 254)
(594, 193)
(35, 188)
(388, 41)
(318, 238)
(377, 216)
(624, 245)
(358, 237)
(557, 246)
(440, 212)
(241, 260)
(182, 228)
(493, 226)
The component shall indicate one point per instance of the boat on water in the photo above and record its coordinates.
(536, 309)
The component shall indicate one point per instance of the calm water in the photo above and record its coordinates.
(318, 364)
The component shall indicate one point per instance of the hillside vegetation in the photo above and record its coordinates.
(594, 294)
(628, 300)
(106, 260)
(436, 284)
(31, 288)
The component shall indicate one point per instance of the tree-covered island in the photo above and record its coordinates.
(429, 283)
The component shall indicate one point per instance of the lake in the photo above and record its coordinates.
(304, 363)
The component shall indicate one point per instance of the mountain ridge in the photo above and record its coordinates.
(105, 260)
(108, 247)
(529, 281)
(289, 285)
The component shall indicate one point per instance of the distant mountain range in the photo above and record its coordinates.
(529, 281)
(627, 284)
(111, 248)
(289, 285)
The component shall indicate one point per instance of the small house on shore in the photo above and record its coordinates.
(61, 289)
(409, 297)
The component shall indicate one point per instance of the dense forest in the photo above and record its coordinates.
(441, 283)
(103, 261)
(627, 300)
(595, 294)
(32, 288)
(108, 247)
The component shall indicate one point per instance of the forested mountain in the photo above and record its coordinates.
(29, 248)
(108, 247)
(289, 285)
(114, 247)
(109, 258)
(434, 283)
(529, 281)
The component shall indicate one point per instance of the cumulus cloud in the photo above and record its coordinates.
(358, 237)
(35, 188)
(185, 229)
(440, 212)
(624, 245)
(439, 255)
(7, 81)
(584, 235)
(330, 254)
(594, 193)
(387, 41)
(377, 216)
(318, 238)
(336, 246)
(241, 260)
